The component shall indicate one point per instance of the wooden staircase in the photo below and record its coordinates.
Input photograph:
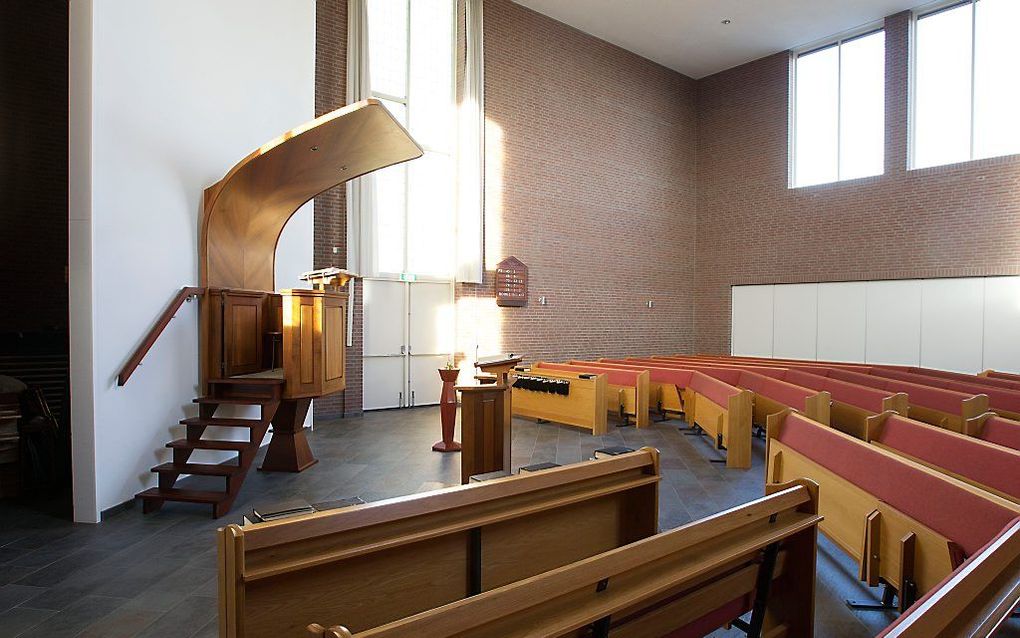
(263, 392)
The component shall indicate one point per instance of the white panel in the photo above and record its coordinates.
(1002, 324)
(795, 319)
(384, 382)
(426, 386)
(751, 322)
(385, 313)
(841, 321)
(167, 96)
(432, 321)
(893, 322)
(952, 323)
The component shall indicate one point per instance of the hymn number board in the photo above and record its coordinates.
(511, 282)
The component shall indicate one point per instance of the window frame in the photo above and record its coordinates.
(916, 16)
(427, 148)
(814, 47)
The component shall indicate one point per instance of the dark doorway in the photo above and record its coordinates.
(34, 453)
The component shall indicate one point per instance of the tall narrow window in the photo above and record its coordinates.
(411, 70)
(965, 58)
(839, 111)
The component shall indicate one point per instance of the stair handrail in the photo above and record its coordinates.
(186, 293)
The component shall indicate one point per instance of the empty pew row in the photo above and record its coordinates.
(369, 565)
(991, 467)
(721, 410)
(687, 582)
(907, 525)
(539, 394)
(1003, 376)
(632, 386)
(665, 385)
(975, 601)
(852, 406)
(771, 394)
(993, 428)
(939, 406)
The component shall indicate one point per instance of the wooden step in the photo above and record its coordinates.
(234, 400)
(182, 495)
(209, 444)
(201, 469)
(222, 422)
(247, 381)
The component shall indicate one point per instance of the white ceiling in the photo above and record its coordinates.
(688, 35)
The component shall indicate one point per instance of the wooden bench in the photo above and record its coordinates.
(687, 582)
(665, 385)
(975, 601)
(907, 525)
(371, 564)
(724, 412)
(1004, 401)
(1002, 376)
(771, 394)
(632, 385)
(995, 429)
(852, 405)
(584, 404)
(991, 467)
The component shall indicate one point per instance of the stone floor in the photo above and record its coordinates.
(155, 575)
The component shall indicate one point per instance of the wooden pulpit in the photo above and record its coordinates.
(484, 429)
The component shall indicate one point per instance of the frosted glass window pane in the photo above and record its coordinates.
(817, 114)
(942, 72)
(387, 46)
(390, 198)
(862, 107)
(431, 74)
(996, 85)
(398, 110)
(430, 216)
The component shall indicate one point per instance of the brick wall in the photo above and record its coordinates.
(590, 181)
(33, 165)
(331, 207)
(958, 220)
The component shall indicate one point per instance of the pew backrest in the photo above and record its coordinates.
(1003, 400)
(985, 465)
(687, 582)
(385, 560)
(995, 429)
(584, 404)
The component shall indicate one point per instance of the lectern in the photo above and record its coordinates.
(484, 429)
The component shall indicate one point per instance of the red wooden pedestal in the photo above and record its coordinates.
(448, 411)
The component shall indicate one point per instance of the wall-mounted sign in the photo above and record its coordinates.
(511, 283)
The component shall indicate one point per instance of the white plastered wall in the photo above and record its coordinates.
(166, 96)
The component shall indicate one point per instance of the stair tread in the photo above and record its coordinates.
(209, 444)
(222, 422)
(247, 381)
(235, 400)
(187, 496)
(204, 469)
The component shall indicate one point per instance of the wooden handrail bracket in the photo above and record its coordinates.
(157, 329)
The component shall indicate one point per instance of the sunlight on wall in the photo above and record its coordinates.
(494, 167)
(479, 332)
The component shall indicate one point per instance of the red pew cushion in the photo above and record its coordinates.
(785, 393)
(863, 397)
(679, 378)
(1002, 432)
(961, 516)
(998, 468)
(716, 390)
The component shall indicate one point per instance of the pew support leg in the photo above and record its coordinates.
(886, 604)
(766, 571)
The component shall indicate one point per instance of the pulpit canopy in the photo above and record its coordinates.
(245, 212)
